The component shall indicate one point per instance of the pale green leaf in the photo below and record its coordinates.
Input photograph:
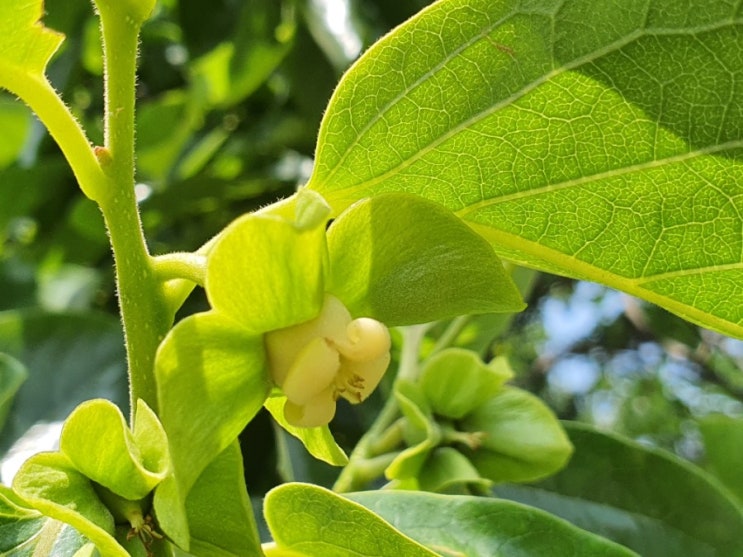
(49, 483)
(98, 442)
(333, 527)
(317, 440)
(644, 498)
(480, 527)
(404, 260)
(597, 140)
(25, 44)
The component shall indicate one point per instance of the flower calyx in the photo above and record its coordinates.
(330, 356)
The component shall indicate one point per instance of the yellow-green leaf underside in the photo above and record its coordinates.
(25, 44)
(599, 140)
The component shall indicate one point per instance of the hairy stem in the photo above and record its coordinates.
(144, 312)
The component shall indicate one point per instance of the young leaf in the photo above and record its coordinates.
(49, 483)
(25, 44)
(335, 527)
(98, 442)
(404, 260)
(317, 440)
(477, 526)
(646, 499)
(605, 147)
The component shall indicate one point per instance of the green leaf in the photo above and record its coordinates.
(605, 147)
(723, 447)
(335, 527)
(211, 382)
(25, 44)
(98, 442)
(456, 381)
(646, 499)
(12, 375)
(70, 358)
(404, 260)
(49, 483)
(477, 526)
(317, 440)
(265, 274)
(523, 440)
(220, 516)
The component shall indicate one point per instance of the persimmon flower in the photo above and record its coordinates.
(328, 357)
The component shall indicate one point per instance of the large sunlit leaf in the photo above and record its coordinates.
(475, 526)
(646, 499)
(404, 260)
(596, 140)
(335, 526)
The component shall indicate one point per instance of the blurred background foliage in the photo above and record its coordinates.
(231, 93)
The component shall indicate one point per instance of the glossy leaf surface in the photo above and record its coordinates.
(643, 498)
(336, 527)
(477, 527)
(605, 147)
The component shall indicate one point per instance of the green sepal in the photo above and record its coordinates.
(456, 381)
(522, 439)
(220, 516)
(318, 441)
(99, 444)
(447, 469)
(266, 273)
(422, 432)
(211, 382)
(403, 260)
(50, 483)
(335, 527)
